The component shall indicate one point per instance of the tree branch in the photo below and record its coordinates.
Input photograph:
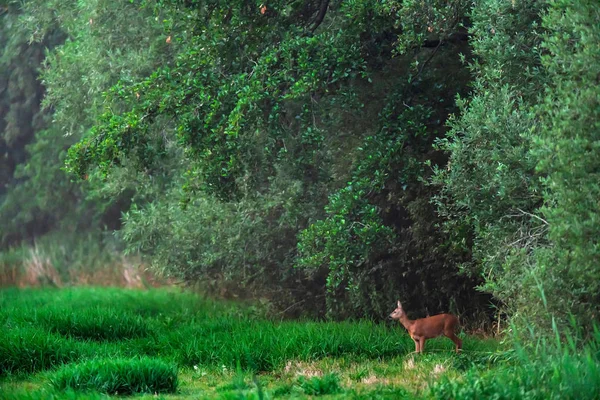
(456, 37)
(320, 15)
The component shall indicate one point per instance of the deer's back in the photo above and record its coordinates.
(434, 326)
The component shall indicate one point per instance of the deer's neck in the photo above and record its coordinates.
(407, 323)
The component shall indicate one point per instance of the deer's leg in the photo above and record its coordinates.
(456, 340)
(416, 344)
(422, 344)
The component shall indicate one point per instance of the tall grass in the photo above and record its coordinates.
(182, 328)
(118, 376)
(60, 259)
(26, 349)
(94, 323)
(548, 370)
(115, 340)
(568, 377)
(11, 266)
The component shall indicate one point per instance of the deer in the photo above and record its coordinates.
(427, 328)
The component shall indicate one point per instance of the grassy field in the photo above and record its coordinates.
(97, 343)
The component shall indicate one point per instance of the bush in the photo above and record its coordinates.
(120, 376)
(568, 154)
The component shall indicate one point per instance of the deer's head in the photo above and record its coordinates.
(398, 312)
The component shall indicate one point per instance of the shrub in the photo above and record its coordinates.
(568, 157)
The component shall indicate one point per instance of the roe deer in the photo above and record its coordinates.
(426, 328)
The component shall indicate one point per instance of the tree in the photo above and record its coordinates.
(20, 118)
(567, 151)
(520, 188)
(267, 111)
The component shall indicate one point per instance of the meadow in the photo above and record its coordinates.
(94, 343)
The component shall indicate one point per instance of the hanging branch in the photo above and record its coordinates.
(320, 15)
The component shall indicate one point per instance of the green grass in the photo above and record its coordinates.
(94, 342)
(318, 386)
(554, 373)
(24, 349)
(117, 376)
(95, 324)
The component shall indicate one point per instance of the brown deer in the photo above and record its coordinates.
(427, 328)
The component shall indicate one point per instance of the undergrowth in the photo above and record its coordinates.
(551, 371)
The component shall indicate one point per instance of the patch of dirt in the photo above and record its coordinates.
(300, 368)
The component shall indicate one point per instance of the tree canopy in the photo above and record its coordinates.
(329, 156)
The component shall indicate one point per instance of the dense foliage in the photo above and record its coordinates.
(490, 191)
(21, 123)
(327, 156)
(521, 164)
(568, 155)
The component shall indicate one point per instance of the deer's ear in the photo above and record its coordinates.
(399, 305)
